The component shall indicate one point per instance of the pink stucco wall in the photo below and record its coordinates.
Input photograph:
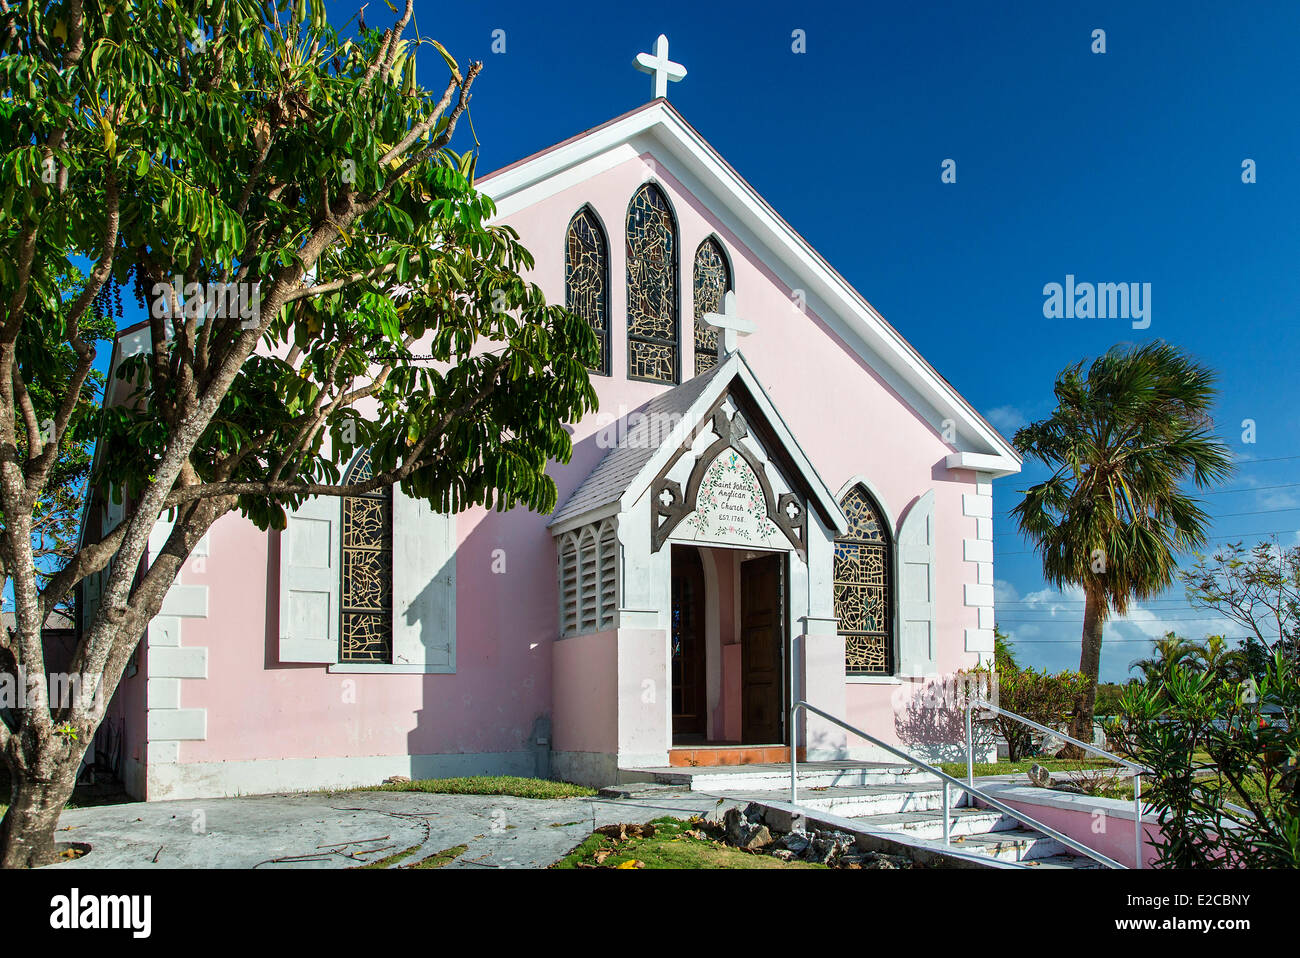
(1116, 841)
(846, 417)
(586, 693)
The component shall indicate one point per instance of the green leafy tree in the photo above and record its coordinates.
(1242, 807)
(1111, 517)
(1257, 589)
(340, 286)
(57, 508)
(1004, 651)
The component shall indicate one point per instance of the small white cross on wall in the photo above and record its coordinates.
(660, 67)
(729, 324)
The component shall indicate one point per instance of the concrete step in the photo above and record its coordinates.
(929, 823)
(1012, 845)
(731, 779)
(869, 801)
(915, 817)
(1069, 860)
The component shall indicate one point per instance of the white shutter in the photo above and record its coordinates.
(424, 584)
(309, 582)
(916, 590)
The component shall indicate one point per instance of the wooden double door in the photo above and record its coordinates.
(762, 648)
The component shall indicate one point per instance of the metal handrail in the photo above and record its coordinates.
(948, 782)
(1138, 769)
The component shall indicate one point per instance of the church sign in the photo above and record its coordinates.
(728, 499)
(731, 504)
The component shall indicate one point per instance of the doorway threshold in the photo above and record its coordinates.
(694, 756)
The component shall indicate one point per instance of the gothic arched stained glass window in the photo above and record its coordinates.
(366, 596)
(651, 287)
(586, 278)
(712, 280)
(863, 587)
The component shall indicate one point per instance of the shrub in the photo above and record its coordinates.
(1240, 809)
(1050, 700)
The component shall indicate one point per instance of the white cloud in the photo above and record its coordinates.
(1007, 419)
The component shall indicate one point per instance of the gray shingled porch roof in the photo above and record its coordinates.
(613, 474)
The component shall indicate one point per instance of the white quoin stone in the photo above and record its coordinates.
(729, 324)
(660, 67)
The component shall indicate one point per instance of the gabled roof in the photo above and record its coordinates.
(659, 128)
(665, 423)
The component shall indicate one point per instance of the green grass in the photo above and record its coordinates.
(438, 859)
(670, 847)
(393, 859)
(489, 785)
(1254, 785)
(958, 769)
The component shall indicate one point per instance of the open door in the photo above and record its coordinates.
(762, 625)
(688, 644)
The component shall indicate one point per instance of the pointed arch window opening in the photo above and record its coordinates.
(864, 582)
(712, 281)
(366, 593)
(653, 352)
(586, 278)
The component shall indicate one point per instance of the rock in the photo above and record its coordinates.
(735, 826)
(793, 843)
(1070, 787)
(784, 854)
(396, 780)
(821, 850)
(1040, 776)
(759, 837)
(754, 813)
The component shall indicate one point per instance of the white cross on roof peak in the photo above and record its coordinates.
(660, 67)
(729, 325)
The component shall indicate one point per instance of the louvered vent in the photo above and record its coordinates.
(588, 582)
(588, 577)
(568, 585)
(608, 574)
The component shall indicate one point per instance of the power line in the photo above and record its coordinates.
(1227, 538)
(1217, 492)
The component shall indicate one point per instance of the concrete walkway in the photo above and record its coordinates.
(348, 829)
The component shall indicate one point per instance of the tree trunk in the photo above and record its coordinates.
(1094, 620)
(27, 831)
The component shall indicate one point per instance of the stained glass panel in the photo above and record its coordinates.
(712, 280)
(586, 279)
(651, 287)
(862, 577)
(366, 601)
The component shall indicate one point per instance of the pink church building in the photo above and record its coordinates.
(779, 499)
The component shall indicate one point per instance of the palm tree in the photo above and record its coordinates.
(1221, 660)
(1173, 650)
(1111, 517)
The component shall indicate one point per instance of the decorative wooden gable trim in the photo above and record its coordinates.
(671, 505)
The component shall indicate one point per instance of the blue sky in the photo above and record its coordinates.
(1117, 167)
